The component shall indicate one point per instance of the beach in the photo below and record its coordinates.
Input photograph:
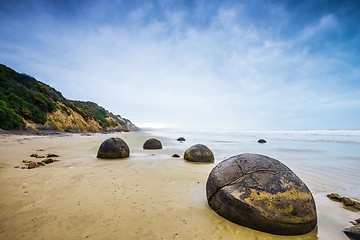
(151, 195)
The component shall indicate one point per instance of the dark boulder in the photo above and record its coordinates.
(261, 193)
(354, 231)
(176, 155)
(152, 144)
(261, 141)
(181, 139)
(199, 153)
(113, 148)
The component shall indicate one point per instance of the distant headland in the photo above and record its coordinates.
(28, 104)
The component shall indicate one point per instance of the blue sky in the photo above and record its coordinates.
(195, 64)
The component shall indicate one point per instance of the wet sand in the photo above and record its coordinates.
(149, 195)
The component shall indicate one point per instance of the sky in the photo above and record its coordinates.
(197, 64)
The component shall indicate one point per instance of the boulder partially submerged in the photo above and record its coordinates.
(261, 193)
(347, 202)
(199, 153)
(113, 148)
(353, 232)
(152, 144)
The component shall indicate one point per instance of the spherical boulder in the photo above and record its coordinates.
(261, 141)
(181, 139)
(199, 153)
(262, 193)
(113, 148)
(152, 144)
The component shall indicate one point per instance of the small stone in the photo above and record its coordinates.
(347, 201)
(47, 161)
(25, 161)
(181, 139)
(17, 167)
(41, 163)
(176, 155)
(32, 165)
(334, 196)
(52, 155)
(36, 156)
(261, 141)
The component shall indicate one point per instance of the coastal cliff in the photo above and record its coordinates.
(26, 103)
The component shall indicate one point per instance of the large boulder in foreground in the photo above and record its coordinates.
(113, 148)
(152, 144)
(261, 193)
(199, 153)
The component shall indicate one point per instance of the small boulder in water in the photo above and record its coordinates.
(354, 231)
(261, 141)
(113, 148)
(347, 202)
(181, 139)
(199, 153)
(152, 144)
(176, 155)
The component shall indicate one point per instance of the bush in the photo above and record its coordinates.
(8, 118)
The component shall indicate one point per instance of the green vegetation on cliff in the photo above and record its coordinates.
(22, 97)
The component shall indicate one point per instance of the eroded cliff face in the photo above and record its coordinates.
(67, 120)
(28, 103)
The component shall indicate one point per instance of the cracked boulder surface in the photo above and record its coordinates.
(199, 153)
(113, 148)
(152, 144)
(262, 193)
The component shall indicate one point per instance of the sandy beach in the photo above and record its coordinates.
(149, 195)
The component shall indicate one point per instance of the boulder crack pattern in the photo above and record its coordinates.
(243, 176)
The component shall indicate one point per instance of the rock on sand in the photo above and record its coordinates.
(199, 153)
(152, 144)
(113, 148)
(261, 193)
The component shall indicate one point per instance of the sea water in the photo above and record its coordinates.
(331, 158)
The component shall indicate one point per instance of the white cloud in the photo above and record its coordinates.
(326, 23)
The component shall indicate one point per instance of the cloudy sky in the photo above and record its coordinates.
(247, 64)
